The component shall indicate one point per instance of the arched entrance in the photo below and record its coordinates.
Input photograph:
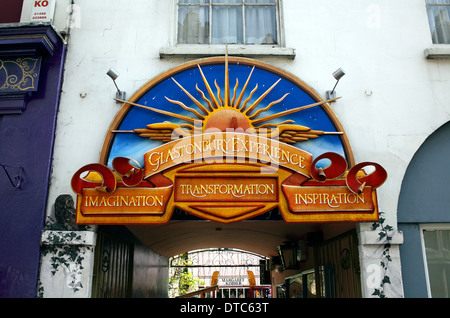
(424, 219)
(230, 153)
(219, 273)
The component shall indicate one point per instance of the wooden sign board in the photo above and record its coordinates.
(234, 187)
(226, 154)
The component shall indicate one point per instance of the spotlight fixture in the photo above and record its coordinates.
(291, 254)
(337, 75)
(114, 75)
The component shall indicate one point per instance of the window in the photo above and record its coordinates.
(439, 20)
(252, 22)
(437, 250)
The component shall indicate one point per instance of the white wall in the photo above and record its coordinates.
(124, 35)
(392, 96)
(380, 45)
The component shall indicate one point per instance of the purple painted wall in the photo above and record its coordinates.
(27, 139)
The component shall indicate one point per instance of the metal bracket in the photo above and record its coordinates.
(16, 180)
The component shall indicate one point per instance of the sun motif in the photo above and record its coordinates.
(233, 112)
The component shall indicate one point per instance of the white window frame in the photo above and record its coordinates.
(243, 6)
(436, 51)
(428, 5)
(430, 227)
(248, 50)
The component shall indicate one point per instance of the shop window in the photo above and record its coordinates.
(248, 22)
(439, 20)
(437, 250)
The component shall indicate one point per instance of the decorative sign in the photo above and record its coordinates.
(42, 10)
(228, 155)
(232, 281)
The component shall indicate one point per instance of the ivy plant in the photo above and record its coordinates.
(384, 233)
(70, 256)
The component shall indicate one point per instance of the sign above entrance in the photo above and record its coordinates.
(42, 10)
(226, 154)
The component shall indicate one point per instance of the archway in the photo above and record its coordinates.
(219, 273)
(227, 153)
(238, 83)
(423, 205)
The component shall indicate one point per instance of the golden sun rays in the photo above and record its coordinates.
(228, 113)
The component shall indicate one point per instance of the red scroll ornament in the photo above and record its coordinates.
(108, 183)
(374, 179)
(131, 176)
(338, 167)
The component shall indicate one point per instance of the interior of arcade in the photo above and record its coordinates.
(261, 237)
(328, 251)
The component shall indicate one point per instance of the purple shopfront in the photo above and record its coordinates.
(31, 68)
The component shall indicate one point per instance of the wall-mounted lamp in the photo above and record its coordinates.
(337, 75)
(291, 254)
(114, 74)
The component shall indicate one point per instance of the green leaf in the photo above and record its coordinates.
(376, 292)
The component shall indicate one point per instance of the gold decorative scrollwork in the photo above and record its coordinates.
(19, 74)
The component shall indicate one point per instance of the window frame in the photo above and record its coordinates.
(210, 5)
(430, 227)
(428, 5)
(194, 51)
(436, 50)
